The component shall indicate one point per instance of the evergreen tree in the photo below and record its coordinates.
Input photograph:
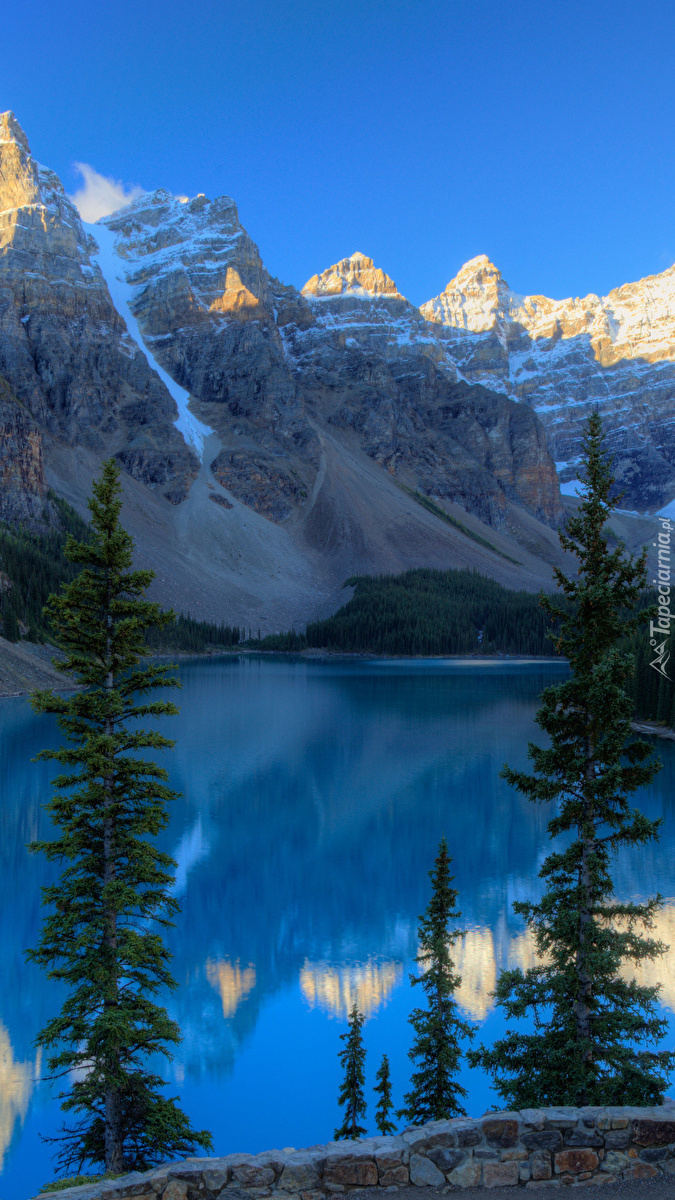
(593, 1026)
(101, 936)
(384, 1104)
(352, 1059)
(435, 1093)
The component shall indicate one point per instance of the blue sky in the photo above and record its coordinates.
(421, 133)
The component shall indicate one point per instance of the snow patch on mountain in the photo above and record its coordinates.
(112, 268)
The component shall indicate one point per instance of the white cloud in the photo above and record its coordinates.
(100, 196)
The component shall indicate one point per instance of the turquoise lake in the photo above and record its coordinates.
(314, 795)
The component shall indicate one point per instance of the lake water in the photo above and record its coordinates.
(315, 793)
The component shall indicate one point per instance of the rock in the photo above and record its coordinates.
(299, 1176)
(64, 349)
(176, 1189)
(501, 1131)
(617, 1139)
(653, 1133)
(583, 1137)
(544, 1139)
(655, 1154)
(446, 1158)
(500, 1174)
(467, 1175)
(248, 1175)
(640, 1170)
(359, 1173)
(394, 1175)
(541, 1165)
(614, 1162)
(423, 1173)
(575, 1161)
(215, 1179)
(468, 1135)
(614, 352)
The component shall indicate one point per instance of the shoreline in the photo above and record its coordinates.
(647, 728)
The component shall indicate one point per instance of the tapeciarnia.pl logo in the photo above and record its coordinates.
(659, 630)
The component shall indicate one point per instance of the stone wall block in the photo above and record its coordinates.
(159, 1178)
(423, 1173)
(655, 1154)
(500, 1174)
(615, 1162)
(617, 1139)
(653, 1133)
(544, 1139)
(360, 1173)
(575, 1161)
(583, 1137)
(134, 1185)
(446, 1158)
(533, 1118)
(517, 1154)
(524, 1172)
(563, 1117)
(470, 1135)
(641, 1170)
(390, 1157)
(541, 1165)
(467, 1175)
(501, 1131)
(299, 1177)
(251, 1176)
(619, 1123)
(395, 1175)
(175, 1189)
(215, 1179)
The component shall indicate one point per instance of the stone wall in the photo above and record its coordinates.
(533, 1148)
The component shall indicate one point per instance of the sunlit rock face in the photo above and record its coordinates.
(16, 1086)
(272, 368)
(233, 982)
(336, 990)
(376, 368)
(23, 490)
(64, 349)
(210, 314)
(567, 357)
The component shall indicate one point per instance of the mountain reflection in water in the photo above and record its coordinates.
(314, 795)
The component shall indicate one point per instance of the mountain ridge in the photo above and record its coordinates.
(273, 438)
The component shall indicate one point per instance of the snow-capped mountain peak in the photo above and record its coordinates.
(356, 275)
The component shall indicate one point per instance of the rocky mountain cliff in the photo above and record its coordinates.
(274, 440)
(64, 349)
(566, 357)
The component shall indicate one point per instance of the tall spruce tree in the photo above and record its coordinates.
(101, 936)
(382, 1089)
(435, 1093)
(352, 1059)
(592, 1026)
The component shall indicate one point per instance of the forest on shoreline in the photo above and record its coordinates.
(419, 613)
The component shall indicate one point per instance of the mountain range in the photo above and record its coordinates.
(277, 440)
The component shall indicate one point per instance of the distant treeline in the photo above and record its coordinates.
(421, 612)
(428, 612)
(460, 612)
(193, 637)
(32, 565)
(654, 694)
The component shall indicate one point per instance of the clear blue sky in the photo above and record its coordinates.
(421, 132)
